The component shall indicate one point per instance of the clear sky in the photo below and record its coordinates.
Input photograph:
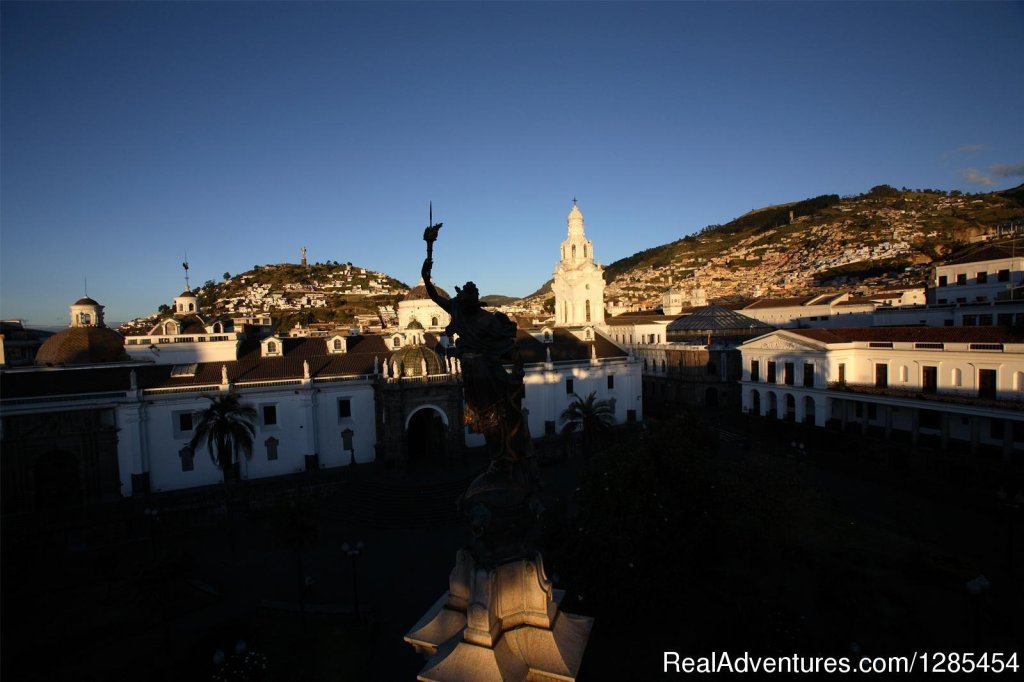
(238, 132)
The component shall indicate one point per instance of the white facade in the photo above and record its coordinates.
(933, 381)
(578, 280)
(417, 306)
(978, 281)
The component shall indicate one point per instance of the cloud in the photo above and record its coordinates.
(973, 148)
(1007, 170)
(976, 177)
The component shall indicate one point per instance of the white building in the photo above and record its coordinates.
(965, 384)
(990, 274)
(578, 280)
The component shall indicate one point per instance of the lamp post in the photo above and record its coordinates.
(353, 551)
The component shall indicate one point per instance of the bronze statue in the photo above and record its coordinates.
(501, 502)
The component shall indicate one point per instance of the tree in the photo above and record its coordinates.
(227, 275)
(593, 417)
(164, 308)
(226, 429)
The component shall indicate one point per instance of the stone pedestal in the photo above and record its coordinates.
(499, 624)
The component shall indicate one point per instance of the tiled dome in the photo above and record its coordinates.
(410, 361)
(82, 346)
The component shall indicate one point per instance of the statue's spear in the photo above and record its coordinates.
(430, 234)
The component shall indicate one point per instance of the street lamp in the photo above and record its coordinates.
(353, 552)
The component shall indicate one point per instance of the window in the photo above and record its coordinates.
(788, 370)
(269, 413)
(961, 279)
(970, 320)
(611, 381)
(337, 344)
(881, 375)
(271, 347)
(755, 370)
(182, 422)
(842, 373)
(771, 371)
(943, 281)
(880, 344)
(1003, 276)
(662, 366)
(569, 386)
(187, 455)
(434, 322)
(982, 278)
(1004, 319)
(985, 320)
(396, 342)
(957, 377)
(588, 310)
(271, 444)
(808, 374)
(344, 408)
(904, 374)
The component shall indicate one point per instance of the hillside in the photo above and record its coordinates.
(318, 293)
(885, 237)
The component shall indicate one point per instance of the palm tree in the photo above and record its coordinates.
(593, 417)
(226, 429)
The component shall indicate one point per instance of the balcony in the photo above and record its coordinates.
(954, 396)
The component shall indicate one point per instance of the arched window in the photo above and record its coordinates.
(181, 307)
(645, 364)
(589, 335)
(584, 250)
(191, 307)
(588, 310)
(433, 322)
(396, 342)
(271, 347)
(663, 370)
(574, 252)
(958, 377)
(337, 344)
(170, 328)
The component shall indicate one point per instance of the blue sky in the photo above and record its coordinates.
(238, 132)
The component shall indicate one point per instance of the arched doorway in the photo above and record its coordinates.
(711, 398)
(426, 433)
(773, 406)
(808, 410)
(58, 484)
(755, 403)
(790, 407)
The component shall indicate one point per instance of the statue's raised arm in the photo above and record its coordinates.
(430, 236)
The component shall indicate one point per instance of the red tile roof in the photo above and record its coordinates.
(913, 334)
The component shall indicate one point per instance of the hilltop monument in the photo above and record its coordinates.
(500, 618)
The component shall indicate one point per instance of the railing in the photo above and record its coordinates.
(961, 396)
(61, 398)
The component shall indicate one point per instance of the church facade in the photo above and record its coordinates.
(578, 280)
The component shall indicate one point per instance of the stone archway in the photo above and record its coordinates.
(426, 432)
(755, 403)
(790, 407)
(809, 410)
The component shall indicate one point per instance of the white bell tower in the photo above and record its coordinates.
(579, 281)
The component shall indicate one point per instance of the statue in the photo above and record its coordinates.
(501, 503)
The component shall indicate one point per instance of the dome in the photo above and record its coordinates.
(82, 346)
(186, 294)
(414, 324)
(419, 292)
(85, 300)
(410, 361)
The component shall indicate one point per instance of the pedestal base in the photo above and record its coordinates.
(500, 624)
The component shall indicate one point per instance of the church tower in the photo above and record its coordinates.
(579, 281)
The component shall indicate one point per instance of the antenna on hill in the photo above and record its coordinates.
(185, 265)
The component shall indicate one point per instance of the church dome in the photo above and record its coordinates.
(82, 346)
(410, 361)
(85, 300)
(419, 292)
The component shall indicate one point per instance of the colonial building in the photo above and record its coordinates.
(95, 423)
(992, 273)
(578, 280)
(938, 383)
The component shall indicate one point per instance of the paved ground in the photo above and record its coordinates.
(156, 607)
